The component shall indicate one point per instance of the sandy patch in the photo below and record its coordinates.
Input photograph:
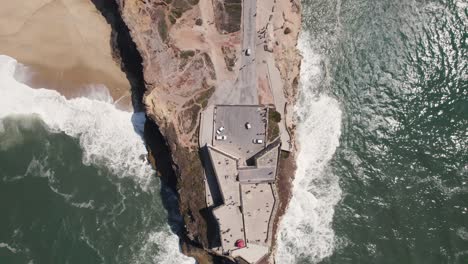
(65, 43)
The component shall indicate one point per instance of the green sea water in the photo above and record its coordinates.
(399, 72)
(75, 186)
(55, 209)
(382, 173)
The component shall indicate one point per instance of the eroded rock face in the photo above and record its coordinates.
(189, 52)
(180, 78)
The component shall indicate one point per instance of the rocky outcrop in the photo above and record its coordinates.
(188, 50)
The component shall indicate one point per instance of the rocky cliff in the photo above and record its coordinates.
(188, 50)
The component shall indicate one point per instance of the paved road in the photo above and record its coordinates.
(247, 83)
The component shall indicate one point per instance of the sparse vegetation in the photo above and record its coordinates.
(199, 22)
(172, 19)
(188, 118)
(193, 2)
(203, 98)
(274, 117)
(234, 9)
(187, 54)
(177, 13)
(295, 83)
(209, 64)
(181, 5)
(162, 29)
(229, 57)
(228, 15)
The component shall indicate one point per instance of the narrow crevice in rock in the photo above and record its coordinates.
(125, 51)
(159, 153)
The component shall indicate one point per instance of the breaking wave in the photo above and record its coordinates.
(305, 232)
(164, 244)
(108, 137)
(106, 134)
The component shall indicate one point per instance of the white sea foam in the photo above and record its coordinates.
(165, 245)
(305, 231)
(106, 134)
(38, 168)
(97, 92)
(462, 232)
(10, 248)
(108, 137)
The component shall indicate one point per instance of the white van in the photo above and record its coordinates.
(248, 52)
(258, 141)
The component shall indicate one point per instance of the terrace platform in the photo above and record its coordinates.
(239, 179)
(240, 140)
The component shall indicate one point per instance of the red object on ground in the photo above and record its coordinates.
(240, 243)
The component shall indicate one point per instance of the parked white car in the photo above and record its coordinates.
(248, 52)
(258, 141)
(223, 137)
(220, 130)
(248, 125)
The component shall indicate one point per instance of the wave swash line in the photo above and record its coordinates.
(305, 231)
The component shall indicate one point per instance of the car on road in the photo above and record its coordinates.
(248, 125)
(220, 130)
(223, 137)
(258, 141)
(248, 52)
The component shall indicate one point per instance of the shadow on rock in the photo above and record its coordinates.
(125, 51)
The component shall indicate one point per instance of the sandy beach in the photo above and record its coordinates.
(65, 44)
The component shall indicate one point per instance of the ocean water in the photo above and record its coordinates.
(382, 170)
(383, 129)
(74, 183)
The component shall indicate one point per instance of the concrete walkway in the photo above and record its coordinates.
(206, 127)
(276, 86)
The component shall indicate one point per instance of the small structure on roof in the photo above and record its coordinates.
(240, 243)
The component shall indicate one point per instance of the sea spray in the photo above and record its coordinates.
(110, 139)
(106, 134)
(305, 232)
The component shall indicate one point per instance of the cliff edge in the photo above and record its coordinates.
(193, 54)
